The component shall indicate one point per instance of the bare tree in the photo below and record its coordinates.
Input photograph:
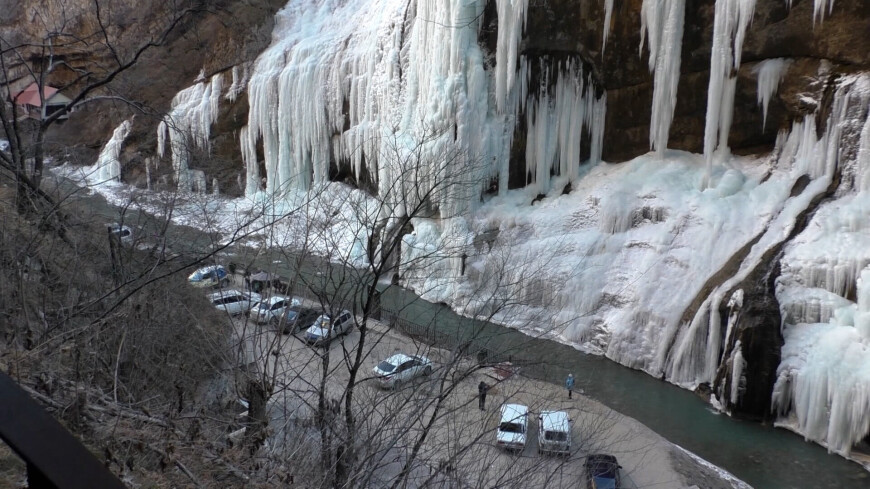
(346, 251)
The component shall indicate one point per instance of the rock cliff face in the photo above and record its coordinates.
(215, 36)
(559, 28)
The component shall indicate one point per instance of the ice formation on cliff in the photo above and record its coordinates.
(732, 18)
(823, 384)
(188, 125)
(372, 82)
(770, 73)
(369, 83)
(662, 24)
(108, 166)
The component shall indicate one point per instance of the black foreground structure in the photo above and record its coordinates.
(55, 458)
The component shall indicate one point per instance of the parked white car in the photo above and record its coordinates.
(270, 309)
(554, 433)
(233, 301)
(512, 427)
(210, 276)
(326, 329)
(401, 368)
(122, 232)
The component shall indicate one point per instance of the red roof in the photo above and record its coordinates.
(30, 95)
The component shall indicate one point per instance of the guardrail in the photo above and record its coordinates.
(55, 458)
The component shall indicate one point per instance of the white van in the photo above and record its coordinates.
(554, 433)
(512, 427)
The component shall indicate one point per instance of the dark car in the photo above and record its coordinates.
(295, 318)
(602, 472)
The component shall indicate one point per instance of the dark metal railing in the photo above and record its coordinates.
(55, 458)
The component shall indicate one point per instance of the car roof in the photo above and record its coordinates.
(229, 292)
(398, 359)
(513, 412)
(555, 421)
(273, 299)
(210, 268)
(601, 465)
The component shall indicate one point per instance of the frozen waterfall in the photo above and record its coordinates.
(370, 83)
(108, 166)
(188, 126)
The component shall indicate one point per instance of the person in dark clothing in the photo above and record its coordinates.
(481, 391)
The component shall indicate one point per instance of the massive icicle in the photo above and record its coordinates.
(732, 18)
(188, 125)
(770, 73)
(108, 166)
(511, 22)
(608, 14)
(662, 23)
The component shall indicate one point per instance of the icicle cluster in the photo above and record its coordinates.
(108, 166)
(556, 122)
(662, 23)
(378, 84)
(188, 125)
(819, 7)
(770, 73)
(732, 18)
(823, 381)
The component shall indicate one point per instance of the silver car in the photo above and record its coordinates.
(271, 309)
(401, 368)
(325, 329)
(233, 301)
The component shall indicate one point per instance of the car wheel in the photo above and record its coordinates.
(428, 370)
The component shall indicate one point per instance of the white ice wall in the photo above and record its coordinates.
(108, 165)
(188, 126)
(386, 83)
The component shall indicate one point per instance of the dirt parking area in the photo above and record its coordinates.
(458, 446)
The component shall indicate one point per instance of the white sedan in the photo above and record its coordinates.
(401, 368)
(272, 308)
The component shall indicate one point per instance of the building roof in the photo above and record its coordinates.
(30, 96)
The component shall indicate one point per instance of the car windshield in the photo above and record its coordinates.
(322, 323)
(511, 427)
(386, 367)
(603, 469)
(555, 436)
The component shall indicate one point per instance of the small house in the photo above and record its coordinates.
(41, 107)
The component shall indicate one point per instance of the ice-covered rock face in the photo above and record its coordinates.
(370, 84)
(637, 262)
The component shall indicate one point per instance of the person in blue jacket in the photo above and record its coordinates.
(569, 384)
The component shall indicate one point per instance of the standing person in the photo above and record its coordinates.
(481, 394)
(569, 384)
